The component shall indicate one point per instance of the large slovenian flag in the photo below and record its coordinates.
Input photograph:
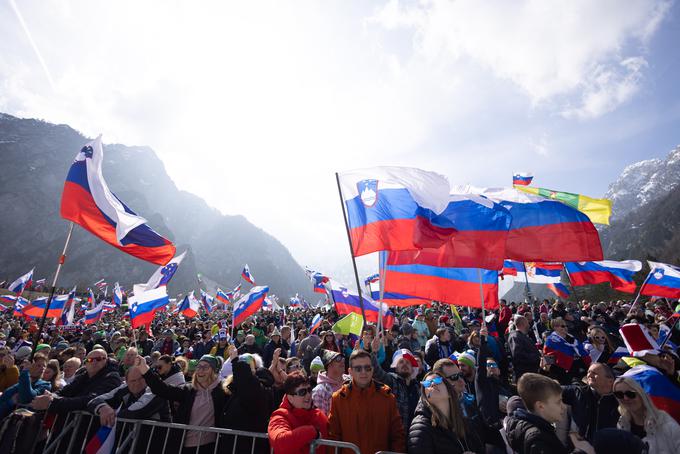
(522, 178)
(145, 304)
(164, 273)
(383, 204)
(481, 227)
(543, 230)
(190, 306)
(559, 289)
(21, 283)
(87, 201)
(92, 316)
(663, 280)
(421, 275)
(664, 394)
(564, 352)
(245, 274)
(249, 304)
(207, 302)
(37, 307)
(618, 274)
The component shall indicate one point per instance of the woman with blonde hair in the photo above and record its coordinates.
(640, 417)
(438, 425)
(599, 345)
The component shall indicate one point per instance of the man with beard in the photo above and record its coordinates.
(492, 394)
(402, 381)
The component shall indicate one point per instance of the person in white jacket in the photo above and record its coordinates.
(639, 416)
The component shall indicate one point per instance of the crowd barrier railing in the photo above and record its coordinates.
(145, 436)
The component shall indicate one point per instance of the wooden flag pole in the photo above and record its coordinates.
(62, 259)
(351, 250)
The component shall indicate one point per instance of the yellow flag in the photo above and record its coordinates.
(351, 323)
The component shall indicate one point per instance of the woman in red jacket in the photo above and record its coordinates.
(295, 424)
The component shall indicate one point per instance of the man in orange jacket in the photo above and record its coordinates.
(364, 412)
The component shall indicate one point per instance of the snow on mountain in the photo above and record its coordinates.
(643, 182)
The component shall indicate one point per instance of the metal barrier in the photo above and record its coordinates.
(333, 444)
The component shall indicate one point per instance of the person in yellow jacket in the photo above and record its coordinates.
(222, 346)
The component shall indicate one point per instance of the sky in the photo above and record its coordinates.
(254, 106)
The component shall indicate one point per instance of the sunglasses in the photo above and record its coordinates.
(94, 359)
(302, 392)
(360, 368)
(432, 381)
(203, 367)
(492, 365)
(455, 377)
(629, 394)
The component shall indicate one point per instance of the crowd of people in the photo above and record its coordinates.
(546, 377)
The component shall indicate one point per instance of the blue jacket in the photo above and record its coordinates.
(25, 392)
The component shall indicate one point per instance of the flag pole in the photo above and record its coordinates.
(638, 294)
(670, 332)
(481, 296)
(527, 288)
(351, 251)
(62, 259)
(381, 270)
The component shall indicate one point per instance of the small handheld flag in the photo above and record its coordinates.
(316, 323)
(117, 295)
(164, 273)
(522, 178)
(245, 274)
(21, 283)
(249, 304)
(145, 304)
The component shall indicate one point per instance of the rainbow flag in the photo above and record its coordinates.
(598, 210)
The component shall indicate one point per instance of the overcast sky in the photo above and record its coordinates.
(254, 105)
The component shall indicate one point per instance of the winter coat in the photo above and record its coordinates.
(367, 417)
(434, 350)
(424, 438)
(663, 435)
(324, 389)
(407, 395)
(24, 390)
(268, 352)
(528, 433)
(8, 377)
(83, 388)
(291, 430)
(145, 406)
(525, 356)
(590, 411)
(488, 389)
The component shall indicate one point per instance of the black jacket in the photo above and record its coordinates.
(530, 434)
(488, 389)
(84, 388)
(407, 395)
(423, 438)
(590, 411)
(146, 406)
(525, 355)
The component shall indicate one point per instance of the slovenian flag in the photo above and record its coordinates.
(511, 267)
(618, 274)
(87, 201)
(190, 306)
(207, 301)
(559, 289)
(145, 304)
(102, 442)
(92, 316)
(664, 394)
(68, 315)
(347, 302)
(21, 283)
(249, 304)
(19, 304)
(117, 295)
(316, 323)
(390, 298)
(565, 352)
(419, 274)
(663, 280)
(223, 297)
(522, 178)
(382, 205)
(90, 299)
(319, 281)
(8, 299)
(37, 307)
(164, 273)
(245, 274)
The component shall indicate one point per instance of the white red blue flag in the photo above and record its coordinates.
(316, 323)
(663, 280)
(19, 304)
(87, 201)
(190, 306)
(559, 289)
(117, 295)
(664, 394)
(145, 303)
(223, 297)
(207, 301)
(21, 283)
(319, 280)
(164, 273)
(534, 272)
(245, 274)
(103, 441)
(383, 203)
(37, 307)
(93, 315)
(564, 352)
(618, 274)
(68, 315)
(347, 302)
(249, 304)
(522, 178)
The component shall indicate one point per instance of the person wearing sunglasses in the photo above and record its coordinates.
(438, 425)
(598, 345)
(640, 416)
(491, 392)
(569, 360)
(294, 425)
(364, 412)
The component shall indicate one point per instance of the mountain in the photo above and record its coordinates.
(35, 158)
(644, 182)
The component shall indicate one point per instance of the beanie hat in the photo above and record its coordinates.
(41, 346)
(192, 364)
(328, 356)
(213, 361)
(467, 357)
(317, 365)
(23, 353)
